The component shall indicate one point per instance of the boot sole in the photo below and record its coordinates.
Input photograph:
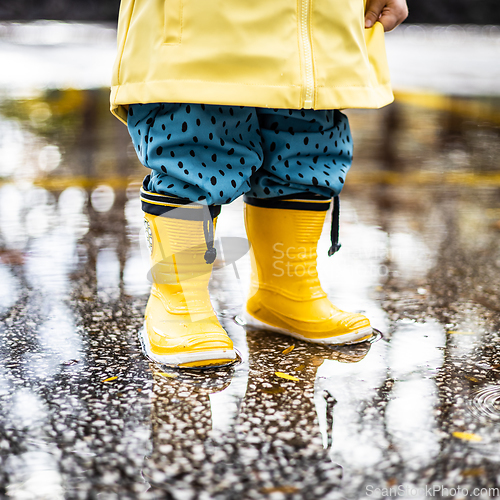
(349, 338)
(208, 359)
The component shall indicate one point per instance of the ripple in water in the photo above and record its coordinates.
(486, 402)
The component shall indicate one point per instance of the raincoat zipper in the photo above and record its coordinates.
(307, 54)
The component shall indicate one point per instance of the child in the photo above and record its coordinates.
(242, 98)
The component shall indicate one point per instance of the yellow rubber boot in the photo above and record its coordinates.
(286, 295)
(181, 328)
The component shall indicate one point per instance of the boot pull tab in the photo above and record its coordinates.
(208, 229)
(334, 235)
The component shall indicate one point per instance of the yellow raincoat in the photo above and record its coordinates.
(267, 53)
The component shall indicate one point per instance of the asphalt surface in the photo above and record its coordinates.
(83, 413)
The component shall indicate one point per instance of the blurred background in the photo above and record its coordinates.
(422, 11)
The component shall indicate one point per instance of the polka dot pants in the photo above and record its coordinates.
(214, 154)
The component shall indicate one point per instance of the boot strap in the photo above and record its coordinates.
(334, 233)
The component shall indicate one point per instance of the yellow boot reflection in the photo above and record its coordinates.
(181, 423)
(278, 416)
(274, 445)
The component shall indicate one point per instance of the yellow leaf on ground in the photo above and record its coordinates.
(109, 379)
(164, 374)
(288, 349)
(457, 332)
(274, 390)
(479, 471)
(280, 489)
(285, 375)
(467, 436)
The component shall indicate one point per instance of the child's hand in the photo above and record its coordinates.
(390, 13)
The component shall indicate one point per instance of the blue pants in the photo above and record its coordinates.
(214, 154)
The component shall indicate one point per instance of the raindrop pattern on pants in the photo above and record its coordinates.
(213, 154)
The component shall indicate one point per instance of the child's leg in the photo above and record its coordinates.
(199, 152)
(200, 156)
(307, 154)
(304, 151)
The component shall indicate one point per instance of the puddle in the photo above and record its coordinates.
(81, 406)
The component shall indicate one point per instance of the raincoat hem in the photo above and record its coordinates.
(238, 94)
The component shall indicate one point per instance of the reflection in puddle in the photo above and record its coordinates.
(410, 421)
(9, 289)
(353, 385)
(410, 256)
(34, 475)
(108, 274)
(225, 404)
(415, 349)
(102, 198)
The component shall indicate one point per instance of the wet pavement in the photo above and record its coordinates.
(84, 415)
